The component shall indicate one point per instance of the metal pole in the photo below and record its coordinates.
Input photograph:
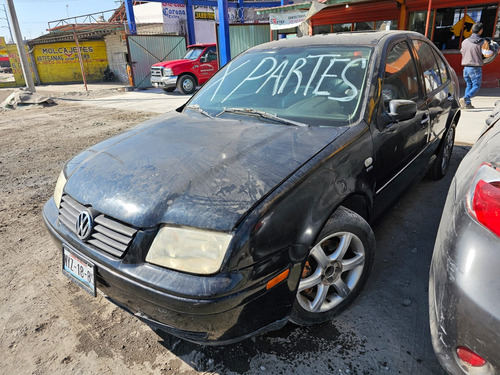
(224, 47)
(8, 24)
(20, 47)
(190, 22)
(80, 59)
(129, 8)
(428, 18)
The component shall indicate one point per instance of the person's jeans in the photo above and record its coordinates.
(473, 76)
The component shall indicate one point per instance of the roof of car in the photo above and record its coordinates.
(201, 45)
(365, 38)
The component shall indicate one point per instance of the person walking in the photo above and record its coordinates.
(474, 49)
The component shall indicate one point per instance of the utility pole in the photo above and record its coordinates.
(20, 47)
(8, 24)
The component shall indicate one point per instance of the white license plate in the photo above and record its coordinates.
(79, 270)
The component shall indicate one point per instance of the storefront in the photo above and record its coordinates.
(449, 23)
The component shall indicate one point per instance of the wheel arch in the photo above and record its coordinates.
(187, 74)
(358, 203)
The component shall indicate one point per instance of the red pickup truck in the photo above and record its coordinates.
(197, 66)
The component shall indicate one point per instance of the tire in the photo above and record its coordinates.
(186, 84)
(327, 287)
(440, 165)
(169, 89)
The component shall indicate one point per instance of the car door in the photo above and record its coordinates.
(398, 144)
(208, 64)
(439, 89)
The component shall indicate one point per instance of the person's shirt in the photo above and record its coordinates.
(473, 50)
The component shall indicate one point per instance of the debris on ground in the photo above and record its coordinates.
(26, 98)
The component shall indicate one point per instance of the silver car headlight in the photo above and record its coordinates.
(189, 250)
(58, 191)
(167, 72)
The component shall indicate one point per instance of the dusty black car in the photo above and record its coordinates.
(250, 206)
(464, 285)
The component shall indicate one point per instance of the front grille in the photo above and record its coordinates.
(156, 71)
(108, 234)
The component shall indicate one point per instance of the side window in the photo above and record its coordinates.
(211, 54)
(400, 78)
(442, 67)
(432, 77)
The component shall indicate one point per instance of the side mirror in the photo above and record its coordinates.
(204, 59)
(401, 110)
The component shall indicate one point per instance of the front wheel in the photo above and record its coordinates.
(186, 84)
(440, 165)
(335, 270)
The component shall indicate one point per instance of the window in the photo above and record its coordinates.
(363, 26)
(341, 27)
(400, 78)
(386, 25)
(376, 25)
(442, 67)
(322, 29)
(432, 77)
(448, 26)
(418, 20)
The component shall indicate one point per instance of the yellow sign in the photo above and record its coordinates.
(3, 47)
(59, 63)
(457, 28)
(15, 64)
(204, 15)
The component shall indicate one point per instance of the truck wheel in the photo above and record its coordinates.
(186, 84)
(169, 89)
(335, 270)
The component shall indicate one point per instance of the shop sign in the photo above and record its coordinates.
(173, 12)
(280, 21)
(3, 48)
(204, 13)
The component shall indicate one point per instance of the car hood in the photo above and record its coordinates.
(173, 63)
(190, 170)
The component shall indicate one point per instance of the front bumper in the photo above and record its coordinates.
(219, 309)
(463, 292)
(166, 82)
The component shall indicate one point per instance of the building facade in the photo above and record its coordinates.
(449, 23)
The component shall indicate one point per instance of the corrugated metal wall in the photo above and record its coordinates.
(146, 50)
(244, 36)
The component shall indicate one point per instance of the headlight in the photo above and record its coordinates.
(189, 250)
(58, 191)
(167, 72)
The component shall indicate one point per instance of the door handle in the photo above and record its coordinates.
(425, 119)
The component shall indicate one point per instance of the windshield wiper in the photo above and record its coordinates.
(197, 108)
(254, 112)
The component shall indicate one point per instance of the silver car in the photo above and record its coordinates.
(464, 285)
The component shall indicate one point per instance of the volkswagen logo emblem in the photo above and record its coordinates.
(84, 225)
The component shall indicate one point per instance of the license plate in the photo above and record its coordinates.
(79, 270)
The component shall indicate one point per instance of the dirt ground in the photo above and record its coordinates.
(49, 326)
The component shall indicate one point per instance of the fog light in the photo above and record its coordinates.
(469, 357)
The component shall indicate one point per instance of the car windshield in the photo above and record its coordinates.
(316, 86)
(193, 53)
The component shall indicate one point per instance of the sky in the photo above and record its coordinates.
(34, 15)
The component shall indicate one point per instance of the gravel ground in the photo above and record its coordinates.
(49, 326)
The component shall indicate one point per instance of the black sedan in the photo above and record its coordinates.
(252, 205)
